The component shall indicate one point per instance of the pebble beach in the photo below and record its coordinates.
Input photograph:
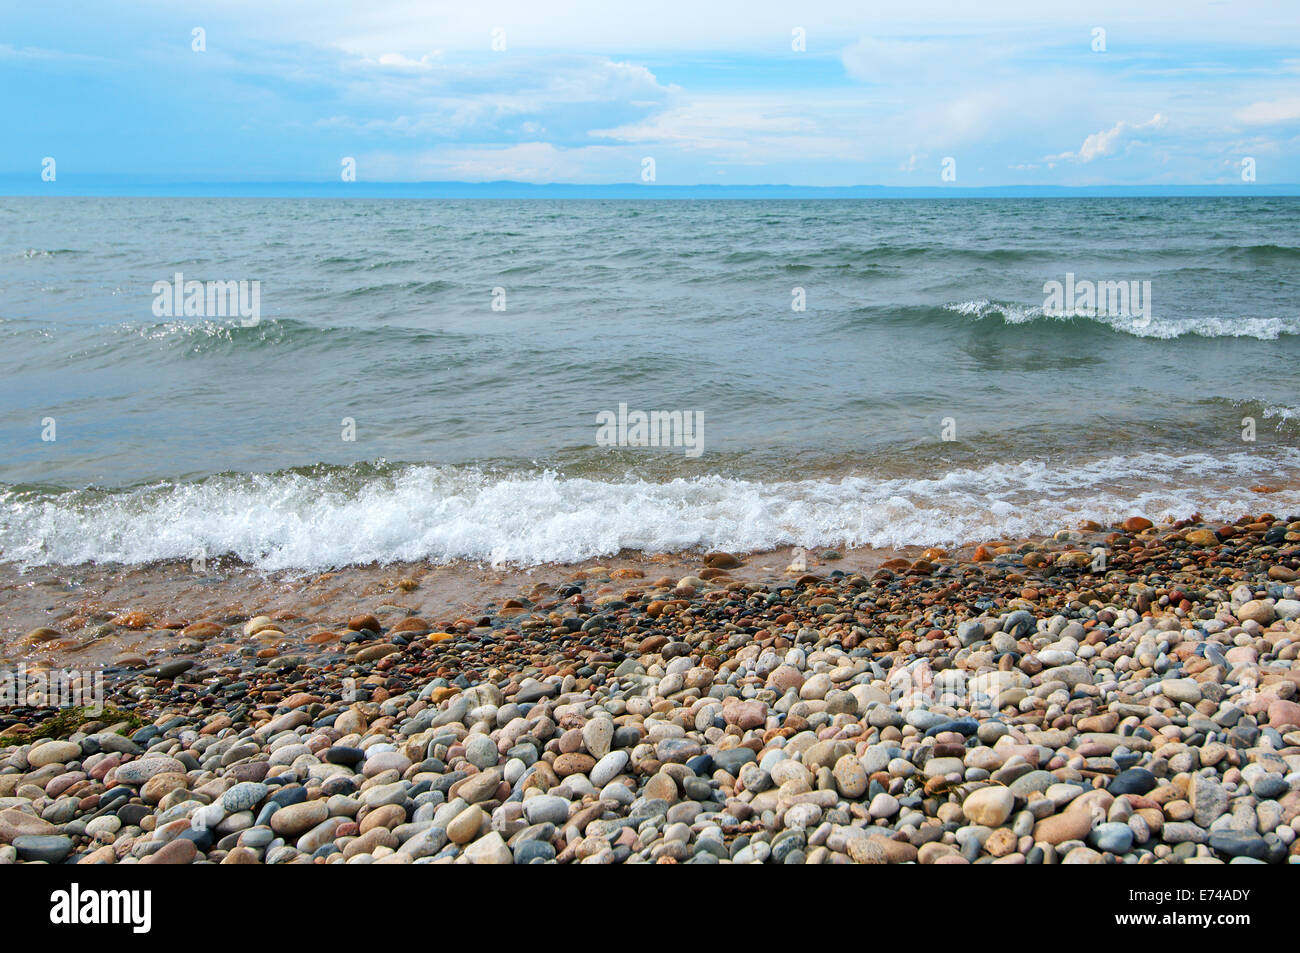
(1108, 695)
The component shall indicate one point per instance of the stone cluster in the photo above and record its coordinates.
(1027, 704)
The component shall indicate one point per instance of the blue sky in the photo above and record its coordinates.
(582, 92)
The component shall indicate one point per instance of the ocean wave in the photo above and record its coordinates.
(205, 336)
(324, 518)
(1282, 414)
(984, 308)
(412, 287)
(45, 252)
(1263, 253)
(1262, 329)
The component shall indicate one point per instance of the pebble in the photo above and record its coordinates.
(546, 808)
(608, 767)
(54, 752)
(489, 849)
(243, 796)
(1114, 837)
(296, 818)
(50, 848)
(178, 851)
(466, 825)
(1050, 717)
(989, 806)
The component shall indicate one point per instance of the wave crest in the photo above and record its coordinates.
(325, 518)
(1263, 329)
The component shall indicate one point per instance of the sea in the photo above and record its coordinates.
(408, 379)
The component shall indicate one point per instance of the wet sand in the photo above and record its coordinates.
(158, 600)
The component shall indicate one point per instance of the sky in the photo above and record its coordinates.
(714, 93)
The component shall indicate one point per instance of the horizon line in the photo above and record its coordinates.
(106, 185)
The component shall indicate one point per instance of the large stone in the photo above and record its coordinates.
(824, 754)
(1132, 781)
(141, 770)
(784, 678)
(1283, 713)
(482, 786)
(15, 823)
(732, 760)
(320, 835)
(244, 796)
(426, 843)
(867, 850)
(1209, 800)
(850, 777)
(746, 715)
(1112, 836)
(465, 826)
(597, 734)
(1181, 690)
(481, 751)
(1257, 610)
(661, 787)
(970, 632)
(546, 808)
(489, 849)
(1059, 828)
(182, 850)
(1032, 782)
(1180, 832)
(575, 762)
(608, 768)
(883, 805)
(1083, 855)
(990, 806)
(54, 752)
(160, 785)
(395, 793)
(1239, 844)
(298, 818)
(50, 848)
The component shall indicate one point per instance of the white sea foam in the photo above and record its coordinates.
(1010, 313)
(292, 520)
(1263, 329)
(1282, 414)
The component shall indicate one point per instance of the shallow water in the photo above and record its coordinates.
(476, 429)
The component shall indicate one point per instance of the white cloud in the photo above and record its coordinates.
(735, 124)
(752, 26)
(878, 96)
(1270, 113)
(402, 62)
(36, 54)
(492, 99)
(537, 162)
(1104, 143)
(887, 61)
